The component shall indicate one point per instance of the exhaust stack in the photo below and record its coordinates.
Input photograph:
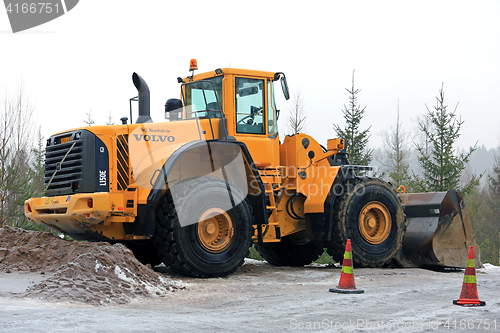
(143, 89)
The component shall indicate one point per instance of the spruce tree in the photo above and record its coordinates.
(297, 119)
(441, 167)
(355, 139)
(89, 121)
(397, 154)
(491, 243)
(110, 119)
(483, 207)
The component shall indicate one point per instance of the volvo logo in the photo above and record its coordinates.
(154, 138)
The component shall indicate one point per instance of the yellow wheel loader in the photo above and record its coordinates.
(196, 190)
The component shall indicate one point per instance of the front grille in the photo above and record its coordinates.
(122, 174)
(76, 162)
(64, 176)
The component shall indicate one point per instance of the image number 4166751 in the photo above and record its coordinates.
(25, 14)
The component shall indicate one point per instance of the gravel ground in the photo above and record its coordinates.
(263, 298)
(62, 291)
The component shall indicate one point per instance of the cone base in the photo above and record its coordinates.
(469, 302)
(346, 291)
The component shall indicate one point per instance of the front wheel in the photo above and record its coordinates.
(369, 213)
(218, 236)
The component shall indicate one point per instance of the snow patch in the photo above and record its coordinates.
(121, 274)
(97, 266)
(489, 268)
(249, 261)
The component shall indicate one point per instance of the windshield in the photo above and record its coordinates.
(271, 116)
(201, 100)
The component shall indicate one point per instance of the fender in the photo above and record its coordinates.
(319, 226)
(200, 158)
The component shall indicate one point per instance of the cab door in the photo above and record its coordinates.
(255, 118)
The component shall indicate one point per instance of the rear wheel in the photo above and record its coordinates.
(293, 250)
(370, 214)
(144, 251)
(217, 237)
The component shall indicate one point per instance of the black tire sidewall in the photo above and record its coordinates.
(365, 253)
(201, 197)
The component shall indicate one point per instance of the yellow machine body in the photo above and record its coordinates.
(295, 181)
(279, 167)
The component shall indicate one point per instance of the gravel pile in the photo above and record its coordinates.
(93, 273)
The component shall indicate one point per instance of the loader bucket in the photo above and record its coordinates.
(438, 233)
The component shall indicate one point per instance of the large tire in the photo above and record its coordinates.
(370, 214)
(219, 240)
(293, 250)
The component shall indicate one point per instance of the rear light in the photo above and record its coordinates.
(90, 203)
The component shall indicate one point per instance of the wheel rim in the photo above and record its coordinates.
(375, 222)
(215, 230)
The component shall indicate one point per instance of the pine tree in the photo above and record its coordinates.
(490, 224)
(483, 207)
(297, 119)
(441, 167)
(356, 140)
(110, 119)
(89, 121)
(397, 154)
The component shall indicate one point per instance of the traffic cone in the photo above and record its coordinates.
(346, 283)
(469, 297)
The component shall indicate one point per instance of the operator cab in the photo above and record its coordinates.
(241, 100)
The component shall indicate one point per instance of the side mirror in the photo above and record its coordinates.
(284, 84)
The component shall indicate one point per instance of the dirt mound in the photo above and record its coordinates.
(95, 273)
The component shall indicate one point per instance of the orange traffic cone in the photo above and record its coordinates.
(469, 297)
(346, 283)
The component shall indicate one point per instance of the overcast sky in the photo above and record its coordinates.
(400, 50)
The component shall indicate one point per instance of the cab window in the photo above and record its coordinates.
(250, 106)
(202, 98)
(271, 110)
